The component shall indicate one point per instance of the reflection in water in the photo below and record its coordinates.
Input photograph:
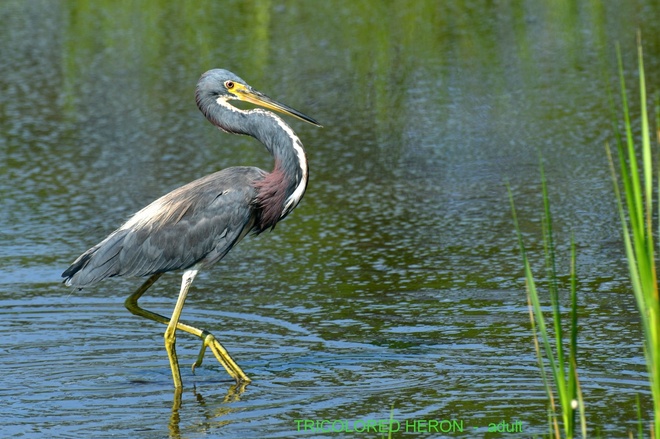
(214, 417)
(175, 419)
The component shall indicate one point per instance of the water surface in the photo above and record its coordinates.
(396, 282)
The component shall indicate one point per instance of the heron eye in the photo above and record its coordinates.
(229, 85)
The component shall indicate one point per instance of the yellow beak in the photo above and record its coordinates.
(247, 94)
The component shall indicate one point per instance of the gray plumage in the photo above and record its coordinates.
(197, 224)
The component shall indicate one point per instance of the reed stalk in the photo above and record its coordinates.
(563, 366)
(635, 206)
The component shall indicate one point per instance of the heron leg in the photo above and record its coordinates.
(131, 303)
(208, 340)
(170, 332)
(223, 357)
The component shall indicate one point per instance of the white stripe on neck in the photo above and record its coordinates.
(298, 193)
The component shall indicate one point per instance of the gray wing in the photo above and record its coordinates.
(196, 224)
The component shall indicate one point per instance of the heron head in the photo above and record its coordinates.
(223, 84)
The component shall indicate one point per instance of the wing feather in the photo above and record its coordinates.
(196, 224)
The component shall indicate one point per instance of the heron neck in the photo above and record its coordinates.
(282, 143)
(265, 126)
(282, 189)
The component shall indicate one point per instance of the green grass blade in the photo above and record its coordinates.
(580, 404)
(551, 264)
(573, 384)
(638, 229)
(631, 185)
(567, 387)
(536, 316)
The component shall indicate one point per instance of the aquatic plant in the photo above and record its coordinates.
(635, 208)
(637, 225)
(563, 366)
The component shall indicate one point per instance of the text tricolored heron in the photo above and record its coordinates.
(196, 225)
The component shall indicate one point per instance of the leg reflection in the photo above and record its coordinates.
(212, 413)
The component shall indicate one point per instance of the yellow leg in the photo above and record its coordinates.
(223, 357)
(208, 340)
(170, 332)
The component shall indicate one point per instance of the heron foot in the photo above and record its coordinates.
(208, 340)
(223, 357)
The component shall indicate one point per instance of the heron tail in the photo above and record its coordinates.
(97, 263)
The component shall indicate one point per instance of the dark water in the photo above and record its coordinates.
(396, 282)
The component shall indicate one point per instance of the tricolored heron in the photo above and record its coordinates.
(196, 225)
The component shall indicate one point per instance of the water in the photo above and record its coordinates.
(396, 282)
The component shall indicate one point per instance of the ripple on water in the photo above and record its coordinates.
(462, 354)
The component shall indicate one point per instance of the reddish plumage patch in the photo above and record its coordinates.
(272, 191)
